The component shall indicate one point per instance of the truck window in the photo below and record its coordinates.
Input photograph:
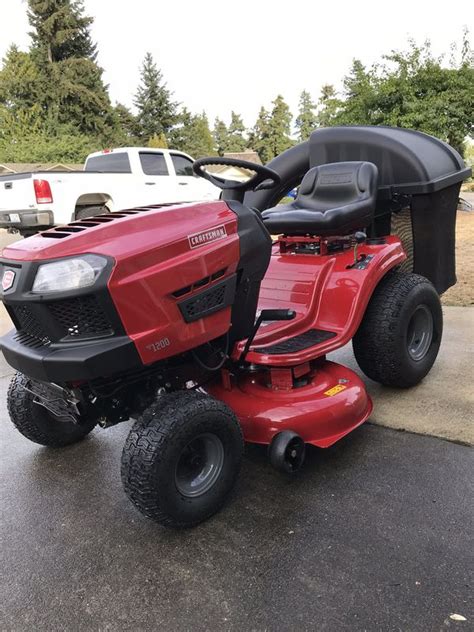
(182, 165)
(109, 163)
(153, 164)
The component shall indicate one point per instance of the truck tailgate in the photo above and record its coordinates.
(16, 192)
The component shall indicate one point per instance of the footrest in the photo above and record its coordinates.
(297, 343)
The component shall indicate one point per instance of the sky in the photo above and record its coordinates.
(217, 56)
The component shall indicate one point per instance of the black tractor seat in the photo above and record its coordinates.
(333, 199)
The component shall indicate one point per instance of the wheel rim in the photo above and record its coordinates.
(294, 454)
(199, 465)
(420, 333)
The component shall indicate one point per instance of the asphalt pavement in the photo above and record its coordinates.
(374, 534)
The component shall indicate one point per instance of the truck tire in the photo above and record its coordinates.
(399, 337)
(36, 423)
(181, 459)
(91, 211)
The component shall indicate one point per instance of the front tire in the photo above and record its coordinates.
(181, 459)
(36, 423)
(398, 340)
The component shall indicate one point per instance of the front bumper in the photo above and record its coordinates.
(27, 218)
(71, 361)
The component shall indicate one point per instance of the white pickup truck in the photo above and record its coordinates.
(112, 180)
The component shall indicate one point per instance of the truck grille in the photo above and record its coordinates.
(77, 317)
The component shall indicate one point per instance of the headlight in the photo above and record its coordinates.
(68, 274)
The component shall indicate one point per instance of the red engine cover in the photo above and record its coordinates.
(157, 253)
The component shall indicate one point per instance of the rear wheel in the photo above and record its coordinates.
(181, 459)
(400, 334)
(36, 423)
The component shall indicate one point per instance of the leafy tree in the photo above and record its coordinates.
(60, 30)
(156, 110)
(279, 128)
(236, 138)
(192, 135)
(306, 121)
(221, 136)
(158, 141)
(411, 89)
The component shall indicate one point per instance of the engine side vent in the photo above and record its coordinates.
(210, 300)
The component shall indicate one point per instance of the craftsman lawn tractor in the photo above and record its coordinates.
(207, 331)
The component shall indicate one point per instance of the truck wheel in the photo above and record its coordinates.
(399, 337)
(36, 423)
(91, 211)
(181, 459)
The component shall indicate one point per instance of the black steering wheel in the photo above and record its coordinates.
(264, 177)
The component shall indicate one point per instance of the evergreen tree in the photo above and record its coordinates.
(60, 30)
(192, 135)
(328, 106)
(259, 136)
(236, 138)
(156, 110)
(279, 128)
(306, 120)
(74, 95)
(221, 136)
(127, 125)
(20, 81)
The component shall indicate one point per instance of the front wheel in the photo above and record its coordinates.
(36, 423)
(181, 459)
(399, 337)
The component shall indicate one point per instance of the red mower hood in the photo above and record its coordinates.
(161, 233)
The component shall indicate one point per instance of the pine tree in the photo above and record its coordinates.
(306, 120)
(259, 136)
(192, 135)
(127, 125)
(156, 109)
(221, 136)
(279, 128)
(236, 138)
(74, 96)
(328, 106)
(60, 30)
(20, 81)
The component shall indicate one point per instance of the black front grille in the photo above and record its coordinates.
(66, 319)
(81, 316)
(31, 331)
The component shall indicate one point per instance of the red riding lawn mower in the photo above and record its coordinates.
(191, 320)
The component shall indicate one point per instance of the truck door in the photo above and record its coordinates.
(159, 184)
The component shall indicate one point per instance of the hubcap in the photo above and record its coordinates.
(420, 333)
(199, 465)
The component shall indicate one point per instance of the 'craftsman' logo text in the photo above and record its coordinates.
(213, 234)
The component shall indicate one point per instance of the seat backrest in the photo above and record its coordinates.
(333, 199)
(337, 184)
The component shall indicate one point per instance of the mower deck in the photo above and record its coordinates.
(331, 403)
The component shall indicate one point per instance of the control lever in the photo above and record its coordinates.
(265, 315)
(360, 238)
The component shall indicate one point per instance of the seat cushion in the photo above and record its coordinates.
(333, 199)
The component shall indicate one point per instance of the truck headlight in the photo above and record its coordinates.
(68, 274)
